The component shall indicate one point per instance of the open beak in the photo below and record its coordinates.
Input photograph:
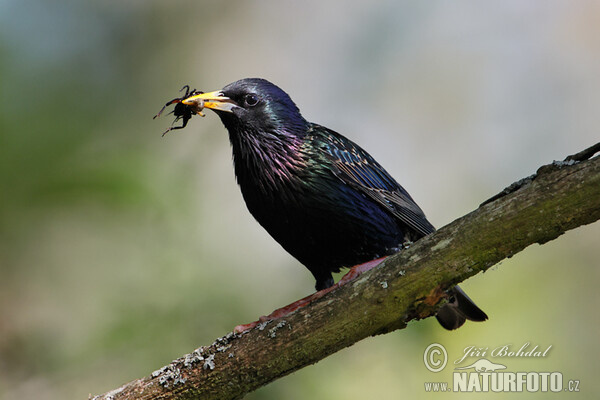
(213, 100)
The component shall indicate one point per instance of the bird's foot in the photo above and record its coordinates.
(358, 270)
(354, 273)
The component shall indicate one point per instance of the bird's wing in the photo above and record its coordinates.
(355, 167)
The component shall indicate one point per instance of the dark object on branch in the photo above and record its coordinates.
(585, 154)
(322, 197)
(182, 111)
(570, 160)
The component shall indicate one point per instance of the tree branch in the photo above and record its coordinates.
(409, 285)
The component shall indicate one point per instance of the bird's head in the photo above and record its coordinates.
(253, 105)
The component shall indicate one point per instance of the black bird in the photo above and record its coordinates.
(321, 196)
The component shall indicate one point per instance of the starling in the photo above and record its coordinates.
(319, 195)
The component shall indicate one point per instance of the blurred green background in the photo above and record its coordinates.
(121, 250)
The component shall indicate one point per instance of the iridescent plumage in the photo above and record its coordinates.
(318, 194)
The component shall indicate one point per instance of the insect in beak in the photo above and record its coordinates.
(183, 111)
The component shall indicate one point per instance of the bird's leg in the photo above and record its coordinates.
(354, 273)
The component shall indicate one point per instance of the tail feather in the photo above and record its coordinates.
(459, 308)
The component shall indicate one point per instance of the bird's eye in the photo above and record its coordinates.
(251, 99)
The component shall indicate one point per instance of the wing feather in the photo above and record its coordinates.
(357, 168)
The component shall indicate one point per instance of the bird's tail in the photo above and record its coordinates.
(458, 309)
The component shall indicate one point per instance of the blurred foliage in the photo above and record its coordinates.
(121, 250)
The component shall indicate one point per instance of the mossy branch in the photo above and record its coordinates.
(409, 285)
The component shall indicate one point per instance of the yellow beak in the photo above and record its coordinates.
(213, 100)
